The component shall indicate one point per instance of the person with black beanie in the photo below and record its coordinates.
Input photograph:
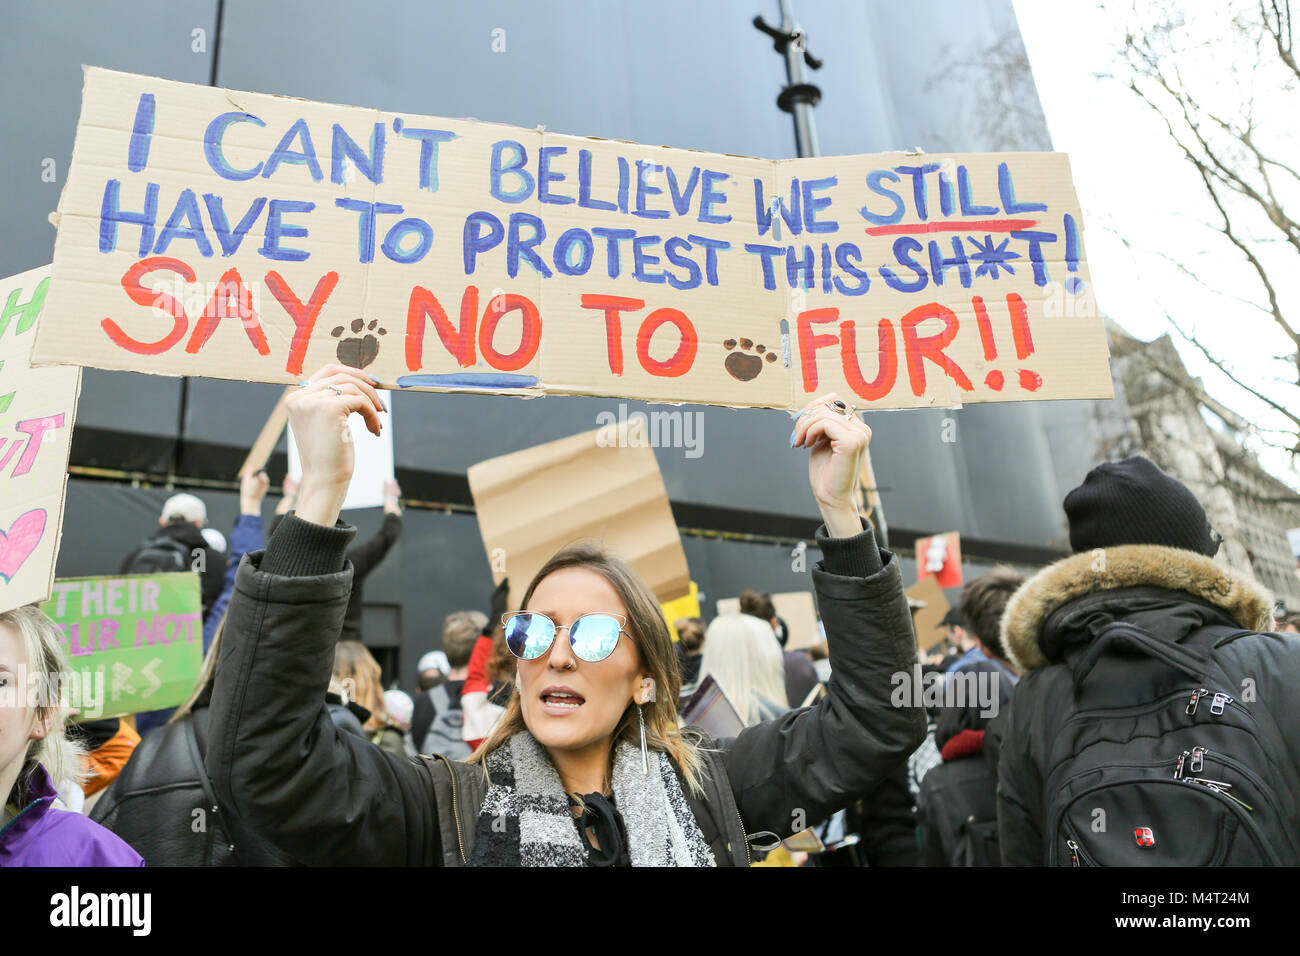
(1138, 647)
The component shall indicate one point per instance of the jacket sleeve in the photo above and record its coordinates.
(888, 824)
(1020, 836)
(275, 757)
(366, 556)
(807, 764)
(245, 538)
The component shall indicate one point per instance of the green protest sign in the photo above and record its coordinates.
(134, 642)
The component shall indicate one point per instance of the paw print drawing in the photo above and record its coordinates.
(745, 363)
(358, 350)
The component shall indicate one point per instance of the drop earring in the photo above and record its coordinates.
(645, 754)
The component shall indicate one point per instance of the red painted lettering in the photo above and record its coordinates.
(612, 305)
(460, 343)
(231, 288)
(680, 363)
(142, 296)
(887, 353)
(304, 316)
(1020, 326)
(810, 342)
(502, 305)
(922, 347)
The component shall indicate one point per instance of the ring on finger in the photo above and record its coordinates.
(337, 391)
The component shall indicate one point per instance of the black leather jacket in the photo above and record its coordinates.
(162, 805)
(330, 798)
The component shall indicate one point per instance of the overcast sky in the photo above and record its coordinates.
(1133, 182)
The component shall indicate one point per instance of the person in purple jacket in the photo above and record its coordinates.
(35, 830)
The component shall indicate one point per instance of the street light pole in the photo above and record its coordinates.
(798, 97)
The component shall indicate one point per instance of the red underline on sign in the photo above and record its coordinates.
(970, 225)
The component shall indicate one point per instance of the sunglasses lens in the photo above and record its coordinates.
(529, 635)
(594, 636)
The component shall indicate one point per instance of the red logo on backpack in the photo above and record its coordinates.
(1144, 836)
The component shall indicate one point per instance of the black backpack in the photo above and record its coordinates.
(159, 554)
(1161, 764)
(977, 844)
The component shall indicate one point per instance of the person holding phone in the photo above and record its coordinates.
(588, 765)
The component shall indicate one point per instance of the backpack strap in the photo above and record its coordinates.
(192, 746)
(1192, 661)
(457, 790)
(1217, 635)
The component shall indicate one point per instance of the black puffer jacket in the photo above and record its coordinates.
(330, 798)
(1172, 593)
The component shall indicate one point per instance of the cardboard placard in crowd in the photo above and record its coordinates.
(925, 620)
(599, 487)
(267, 438)
(245, 236)
(133, 642)
(37, 408)
(796, 608)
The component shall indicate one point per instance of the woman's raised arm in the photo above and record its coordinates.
(275, 757)
(791, 772)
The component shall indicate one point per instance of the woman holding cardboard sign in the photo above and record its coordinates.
(589, 745)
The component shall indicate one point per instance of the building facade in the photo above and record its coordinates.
(1195, 438)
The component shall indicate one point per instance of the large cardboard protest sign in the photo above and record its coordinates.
(600, 487)
(37, 407)
(133, 642)
(246, 236)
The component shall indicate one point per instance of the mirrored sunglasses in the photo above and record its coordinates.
(593, 637)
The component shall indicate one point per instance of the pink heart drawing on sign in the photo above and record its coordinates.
(20, 541)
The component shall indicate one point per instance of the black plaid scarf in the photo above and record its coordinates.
(525, 819)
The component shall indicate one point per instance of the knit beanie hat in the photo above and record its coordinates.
(1134, 502)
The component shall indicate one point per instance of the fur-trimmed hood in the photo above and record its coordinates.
(1126, 566)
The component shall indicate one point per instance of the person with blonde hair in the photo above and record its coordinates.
(357, 671)
(588, 766)
(36, 829)
(742, 654)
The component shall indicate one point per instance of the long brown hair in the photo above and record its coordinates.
(654, 646)
(352, 659)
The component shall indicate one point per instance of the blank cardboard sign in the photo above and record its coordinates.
(244, 236)
(600, 487)
(37, 406)
(373, 462)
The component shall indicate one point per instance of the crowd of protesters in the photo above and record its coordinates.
(1130, 704)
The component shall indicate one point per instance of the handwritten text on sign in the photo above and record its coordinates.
(139, 638)
(248, 236)
(36, 412)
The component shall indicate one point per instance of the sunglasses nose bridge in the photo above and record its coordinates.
(560, 654)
